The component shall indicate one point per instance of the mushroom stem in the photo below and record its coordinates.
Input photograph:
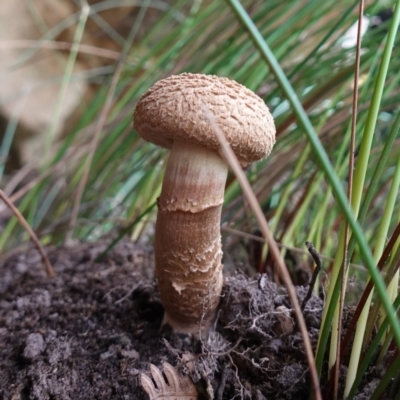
(188, 239)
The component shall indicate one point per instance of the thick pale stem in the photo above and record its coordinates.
(188, 239)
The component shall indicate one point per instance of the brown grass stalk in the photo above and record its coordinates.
(24, 223)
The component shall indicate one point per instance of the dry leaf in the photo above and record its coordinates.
(174, 387)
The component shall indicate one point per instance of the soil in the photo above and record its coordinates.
(92, 330)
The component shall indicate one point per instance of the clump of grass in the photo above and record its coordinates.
(102, 178)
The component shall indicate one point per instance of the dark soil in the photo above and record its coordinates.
(89, 332)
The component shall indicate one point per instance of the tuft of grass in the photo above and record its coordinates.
(289, 53)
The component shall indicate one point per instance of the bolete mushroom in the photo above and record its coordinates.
(187, 239)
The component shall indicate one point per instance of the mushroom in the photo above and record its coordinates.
(187, 238)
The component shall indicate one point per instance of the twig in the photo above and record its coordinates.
(207, 353)
(242, 388)
(222, 384)
(175, 352)
(316, 258)
(24, 223)
(130, 292)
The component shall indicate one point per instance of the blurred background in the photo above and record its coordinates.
(72, 71)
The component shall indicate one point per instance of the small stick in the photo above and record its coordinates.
(317, 260)
(24, 223)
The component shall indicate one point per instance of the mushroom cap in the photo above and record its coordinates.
(174, 109)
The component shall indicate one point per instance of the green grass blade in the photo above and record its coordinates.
(125, 231)
(358, 185)
(372, 348)
(369, 194)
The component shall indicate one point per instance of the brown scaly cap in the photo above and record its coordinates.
(173, 108)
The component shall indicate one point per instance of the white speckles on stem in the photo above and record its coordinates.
(178, 287)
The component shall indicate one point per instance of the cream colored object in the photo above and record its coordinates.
(174, 387)
(188, 240)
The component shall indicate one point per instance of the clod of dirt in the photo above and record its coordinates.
(34, 346)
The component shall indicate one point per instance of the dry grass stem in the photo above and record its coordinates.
(343, 274)
(93, 146)
(24, 223)
(54, 45)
